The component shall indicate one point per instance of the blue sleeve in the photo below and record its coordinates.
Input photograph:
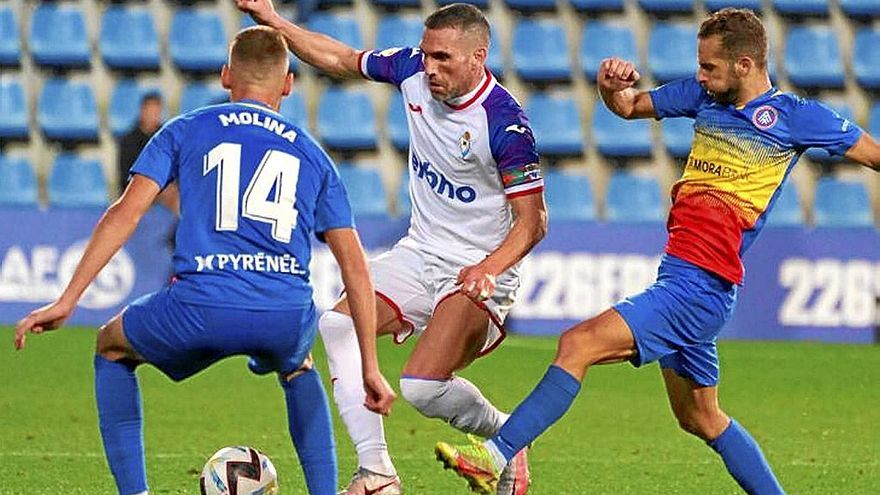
(158, 159)
(814, 125)
(681, 98)
(332, 210)
(393, 65)
(513, 146)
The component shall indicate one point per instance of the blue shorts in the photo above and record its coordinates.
(182, 339)
(678, 318)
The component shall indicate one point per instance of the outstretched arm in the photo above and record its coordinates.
(866, 151)
(112, 231)
(327, 54)
(615, 79)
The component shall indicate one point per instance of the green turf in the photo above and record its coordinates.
(814, 408)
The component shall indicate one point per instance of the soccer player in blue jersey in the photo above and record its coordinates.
(748, 137)
(253, 189)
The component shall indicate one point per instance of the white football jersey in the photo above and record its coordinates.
(466, 158)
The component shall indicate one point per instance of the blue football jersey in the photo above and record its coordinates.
(253, 189)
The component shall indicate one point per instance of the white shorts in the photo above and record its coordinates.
(414, 283)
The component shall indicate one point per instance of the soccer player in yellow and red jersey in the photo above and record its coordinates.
(748, 136)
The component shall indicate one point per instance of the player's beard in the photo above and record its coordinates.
(729, 96)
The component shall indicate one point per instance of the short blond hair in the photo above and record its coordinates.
(259, 53)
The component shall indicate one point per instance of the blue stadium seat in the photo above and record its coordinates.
(294, 108)
(602, 40)
(197, 40)
(58, 36)
(556, 124)
(620, 138)
(478, 3)
(18, 182)
(874, 120)
(819, 154)
(866, 58)
(398, 129)
(715, 5)
(404, 203)
(633, 199)
(365, 190)
(67, 111)
(842, 204)
(398, 30)
(569, 197)
(812, 57)
(678, 136)
(787, 209)
(198, 95)
(495, 61)
(395, 4)
(10, 38)
(540, 52)
(13, 109)
(341, 27)
(77, 183)
(672, 51)
(666, 6)
(125, 104)
(129, 39)
(801, 7)
(346, 120)
(531, 5)
(861, 8)
(597, 5)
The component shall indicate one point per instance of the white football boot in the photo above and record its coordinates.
(515, 478)
(366, 482)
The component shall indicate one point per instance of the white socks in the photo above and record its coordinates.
(364, 427)
(457, 401)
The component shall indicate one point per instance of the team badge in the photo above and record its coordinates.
(765, 117)
(464, 144)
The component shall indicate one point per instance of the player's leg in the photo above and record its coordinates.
(696, 408)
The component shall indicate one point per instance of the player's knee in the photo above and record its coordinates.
(706, 425)
(423, 394)
(108, 343)
(574, 350)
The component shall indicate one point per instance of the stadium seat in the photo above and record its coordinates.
(67, 111)
(58, 36)
(341, 27)
(597, 5)
(198, 95)
(678, 136)
(866, 58)
(540, 52)
(129, 39)
(569, 196)
(633, 199)
(396, 4)
(398, 30)
(874, 120)
(346, 120)
(819, 154)
(77, 183)
(531, 5)
(812, 57)
(715, 5)
(672, 51)
(495, 61)
(293, 107)
(13, 109)
(18, 182)
(326, 4)
(842, 204)
(801, 7)
(602, 40)
(483, 4)
(10, 38)
(197, 40)
(365, 190)
(618, 137)
(787, 209)
(404, 204)
(556, 124)
(666, 6)
(125, 104)
(398, 129)
(861, 8)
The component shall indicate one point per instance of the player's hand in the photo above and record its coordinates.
(380, 396)
(49, 317)
(616, 75)
(262, 11)
(476, 282)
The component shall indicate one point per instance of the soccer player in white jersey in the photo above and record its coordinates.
(478, 209)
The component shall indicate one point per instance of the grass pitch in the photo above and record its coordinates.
(814, 408)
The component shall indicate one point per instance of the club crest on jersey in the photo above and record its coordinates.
(765, 117)
(464, 144)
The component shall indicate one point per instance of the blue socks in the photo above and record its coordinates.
(543, 407)
(121, 422)
(745, 461)
(308, 416)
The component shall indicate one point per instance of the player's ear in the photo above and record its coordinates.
(225, 77)
(288, 84)
(743, 66)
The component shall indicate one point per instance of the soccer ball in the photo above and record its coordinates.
(238, 471)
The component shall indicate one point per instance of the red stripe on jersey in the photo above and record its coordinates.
(476, 96)
(526, 192)
(360, 61)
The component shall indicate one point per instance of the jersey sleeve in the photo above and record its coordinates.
(681, 98)
(393, 65)
(332, 211)
(513, 148)
(815, 125)
(158, 160)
